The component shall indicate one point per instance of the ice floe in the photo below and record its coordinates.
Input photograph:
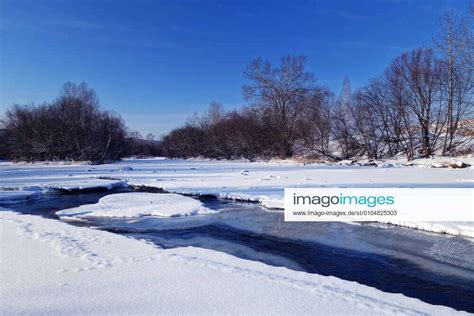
(139, 204)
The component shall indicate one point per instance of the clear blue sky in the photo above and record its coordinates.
(157, 62)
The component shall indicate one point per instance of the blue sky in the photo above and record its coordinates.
(157, 62)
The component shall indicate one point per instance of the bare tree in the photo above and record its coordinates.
(455, 49)
(214, 113)
(343, 128)
(420, 75)
(279, 93)
(369, 122)
(398, 111)
(314, 129)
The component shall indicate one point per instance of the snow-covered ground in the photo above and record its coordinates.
(260, 181)
(465, 229)
(138, 204)
(48, 267)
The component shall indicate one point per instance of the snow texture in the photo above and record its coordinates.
(137, 205)
(261, 182)
(49, 267)
(453, 228)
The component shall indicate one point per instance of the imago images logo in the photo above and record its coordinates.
(379, 204)
(341, 199)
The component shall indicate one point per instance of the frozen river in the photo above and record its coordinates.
(438, 269)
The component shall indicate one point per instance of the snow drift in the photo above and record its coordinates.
(138, 204)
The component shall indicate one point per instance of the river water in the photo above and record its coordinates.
(438, 269)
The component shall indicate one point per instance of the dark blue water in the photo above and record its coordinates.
(434, 268)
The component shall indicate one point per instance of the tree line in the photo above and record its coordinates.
(419, 106)
(416, 107)
(72, 127)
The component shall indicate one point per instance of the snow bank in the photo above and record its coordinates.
(57, 183)
(453, 228)
(86, 184)
(14, 197)
(139, 204)
(75, 270)
(261, 182)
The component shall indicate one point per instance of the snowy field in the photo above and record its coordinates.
(259, 182)
(79, 270)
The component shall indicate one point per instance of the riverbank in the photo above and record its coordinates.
(261, 182)
(52, 267)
